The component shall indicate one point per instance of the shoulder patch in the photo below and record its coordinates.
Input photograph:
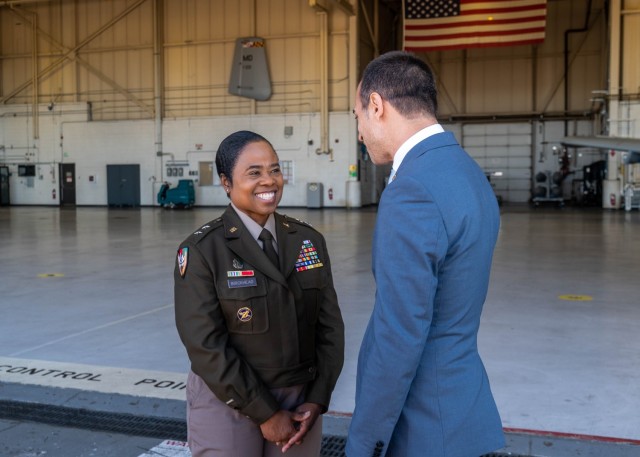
(183, 258)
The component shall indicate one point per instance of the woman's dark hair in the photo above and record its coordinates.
(403, 80)
(230, 149)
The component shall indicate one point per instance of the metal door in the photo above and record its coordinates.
(503, 151)
(123, 185)
(4, 186)
(67, 184)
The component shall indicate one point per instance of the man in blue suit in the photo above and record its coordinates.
(421, 389)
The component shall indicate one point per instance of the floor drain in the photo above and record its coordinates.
(333, 446)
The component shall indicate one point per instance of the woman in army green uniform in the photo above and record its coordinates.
(258, 314)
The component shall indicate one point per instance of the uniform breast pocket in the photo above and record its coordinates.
(244, 305)
(312, 283)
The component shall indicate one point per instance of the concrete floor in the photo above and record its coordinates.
(89, 290)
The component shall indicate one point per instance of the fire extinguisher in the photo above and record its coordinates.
(53, 194)
(331, 194)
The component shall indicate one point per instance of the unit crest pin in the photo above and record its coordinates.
(245, 314)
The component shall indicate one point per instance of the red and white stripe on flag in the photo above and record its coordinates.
(436, 25)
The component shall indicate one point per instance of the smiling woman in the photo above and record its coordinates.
(258, 314)
(255, 182)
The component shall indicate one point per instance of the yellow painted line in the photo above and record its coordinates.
(572, 297)
(51, 275)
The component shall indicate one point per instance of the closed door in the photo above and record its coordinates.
(67, 184)
(123, 185)
(4, 186)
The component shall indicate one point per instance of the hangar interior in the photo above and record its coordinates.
(147, 87)
(101, 102)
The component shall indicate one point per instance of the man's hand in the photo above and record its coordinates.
(305, 415)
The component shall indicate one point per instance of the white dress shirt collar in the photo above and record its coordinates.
(410, 143)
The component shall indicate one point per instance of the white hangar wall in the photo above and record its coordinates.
(68, 137)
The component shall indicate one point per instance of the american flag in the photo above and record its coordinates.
(436, 25)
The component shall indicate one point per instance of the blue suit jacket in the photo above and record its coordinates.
(422, 389)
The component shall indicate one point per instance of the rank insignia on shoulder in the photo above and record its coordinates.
(300, 221)
(308, 257)
(183, 257)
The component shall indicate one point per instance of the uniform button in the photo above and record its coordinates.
(311, 370)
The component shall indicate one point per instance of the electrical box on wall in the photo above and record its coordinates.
(249, 72)
(26, 170)
(176, 169)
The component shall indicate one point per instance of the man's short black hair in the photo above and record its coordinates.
(404, 81)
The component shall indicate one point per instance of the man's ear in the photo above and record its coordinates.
(375, 105)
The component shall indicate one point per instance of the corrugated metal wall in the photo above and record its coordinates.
(103, 52)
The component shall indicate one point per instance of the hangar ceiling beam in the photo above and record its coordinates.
(345, 6)
(72, 56)
(20, 2)
(71, 53)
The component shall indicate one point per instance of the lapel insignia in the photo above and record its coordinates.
(237, 264)
(233, 229)
(308, 257)
(234, 274)
(244, 314)
(183, 256)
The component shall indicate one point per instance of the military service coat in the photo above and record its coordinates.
(248, 326)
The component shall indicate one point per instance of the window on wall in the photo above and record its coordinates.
(205, 171)
(208, 175)
(287, 171)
